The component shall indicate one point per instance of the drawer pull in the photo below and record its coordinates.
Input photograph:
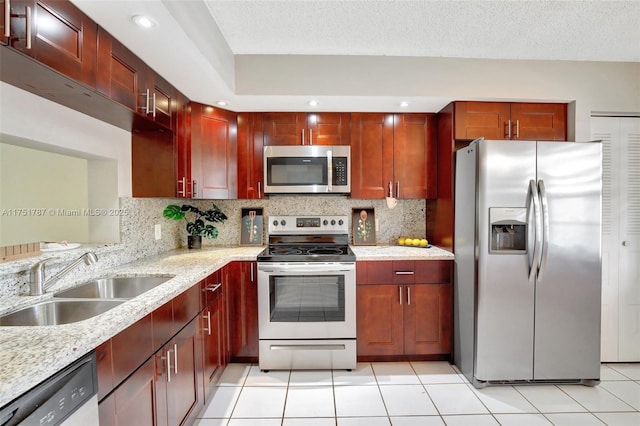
(404, 272)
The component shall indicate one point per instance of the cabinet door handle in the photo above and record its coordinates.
(400, 293)
(7, 18)
(175, 358)
(208, 318)
(408, 295)
(626, 243)
(509, 129)
(194, 188)
(28, 9)
(302, 136)
(183, 187)
(251, 278)
(310, 136)
(390, 189)
(168, 358)
(259, 190)
(212, 288)
(153, 111)
(404, 272)
(517, 128)
(398, 189)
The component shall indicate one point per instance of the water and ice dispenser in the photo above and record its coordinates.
(508, 227)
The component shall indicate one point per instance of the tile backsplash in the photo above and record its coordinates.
(137, 231)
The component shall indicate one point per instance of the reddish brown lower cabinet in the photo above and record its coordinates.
(133, 402)
(211, 334)
(164, 364)
(404, 309)
(176, 380)
(242, 303)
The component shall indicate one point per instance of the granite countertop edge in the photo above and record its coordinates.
(30, 355)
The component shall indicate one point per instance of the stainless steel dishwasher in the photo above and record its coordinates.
(69, 398)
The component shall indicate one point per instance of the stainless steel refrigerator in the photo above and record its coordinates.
(528, 262)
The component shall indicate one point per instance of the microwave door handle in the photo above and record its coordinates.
(329, 171)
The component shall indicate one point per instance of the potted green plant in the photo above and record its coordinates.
(196, 227)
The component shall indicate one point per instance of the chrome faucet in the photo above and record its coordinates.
(38, 284)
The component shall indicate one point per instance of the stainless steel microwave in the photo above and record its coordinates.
(306, 169)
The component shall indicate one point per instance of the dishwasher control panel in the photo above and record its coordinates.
(55, 399)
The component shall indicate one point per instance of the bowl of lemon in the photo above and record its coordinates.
(413, 242)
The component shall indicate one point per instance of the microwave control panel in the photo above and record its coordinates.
(340, 171)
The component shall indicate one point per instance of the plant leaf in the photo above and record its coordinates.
(173, 212)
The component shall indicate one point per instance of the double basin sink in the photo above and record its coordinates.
(83, 302)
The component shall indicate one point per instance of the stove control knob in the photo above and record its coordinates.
(333, 222)
(275, 223)
(325, 222)
(340, 222)
(283, 222)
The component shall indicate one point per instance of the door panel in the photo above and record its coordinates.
(505, 297)
(620, 237)
(567, 316)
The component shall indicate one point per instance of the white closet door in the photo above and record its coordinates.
(620, 236)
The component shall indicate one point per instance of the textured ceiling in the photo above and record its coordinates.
(232, 50)
(562, 30)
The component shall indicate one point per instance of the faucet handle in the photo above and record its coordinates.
(37, 277)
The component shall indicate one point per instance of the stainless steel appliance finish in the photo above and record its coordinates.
(69, 398)
(528, 266)
(307, 169)
(307, 295)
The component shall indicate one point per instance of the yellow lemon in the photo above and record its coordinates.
(408, 242)
(416, 242)
(424, 243)
(401, 241)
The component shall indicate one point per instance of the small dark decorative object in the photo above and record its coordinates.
(251, 231)
(363, 226)
(197, 227)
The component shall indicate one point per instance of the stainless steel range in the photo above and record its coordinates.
(307, 294)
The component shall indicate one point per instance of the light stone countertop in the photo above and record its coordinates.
(400, 253)
(29, 355)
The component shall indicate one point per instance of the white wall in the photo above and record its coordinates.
(31, 179)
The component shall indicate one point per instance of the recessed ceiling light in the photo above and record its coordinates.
(313, 103)
(404, 104)
(143, 21)
(222, 103)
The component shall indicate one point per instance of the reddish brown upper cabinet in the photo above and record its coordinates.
(160, 101)
(404, 309)
(57, 34)
(462, 121)
(250, 155)
(393, 155)
(500, 120)
(300, 128)
(182, 147)
(121, 75)
(214, 152)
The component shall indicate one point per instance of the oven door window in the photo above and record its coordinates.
(306, 298)
(296, 171)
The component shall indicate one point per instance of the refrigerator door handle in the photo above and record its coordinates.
(545, 227)
(535, 199)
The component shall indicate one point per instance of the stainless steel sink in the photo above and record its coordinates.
(114, 288)
(56, 312)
